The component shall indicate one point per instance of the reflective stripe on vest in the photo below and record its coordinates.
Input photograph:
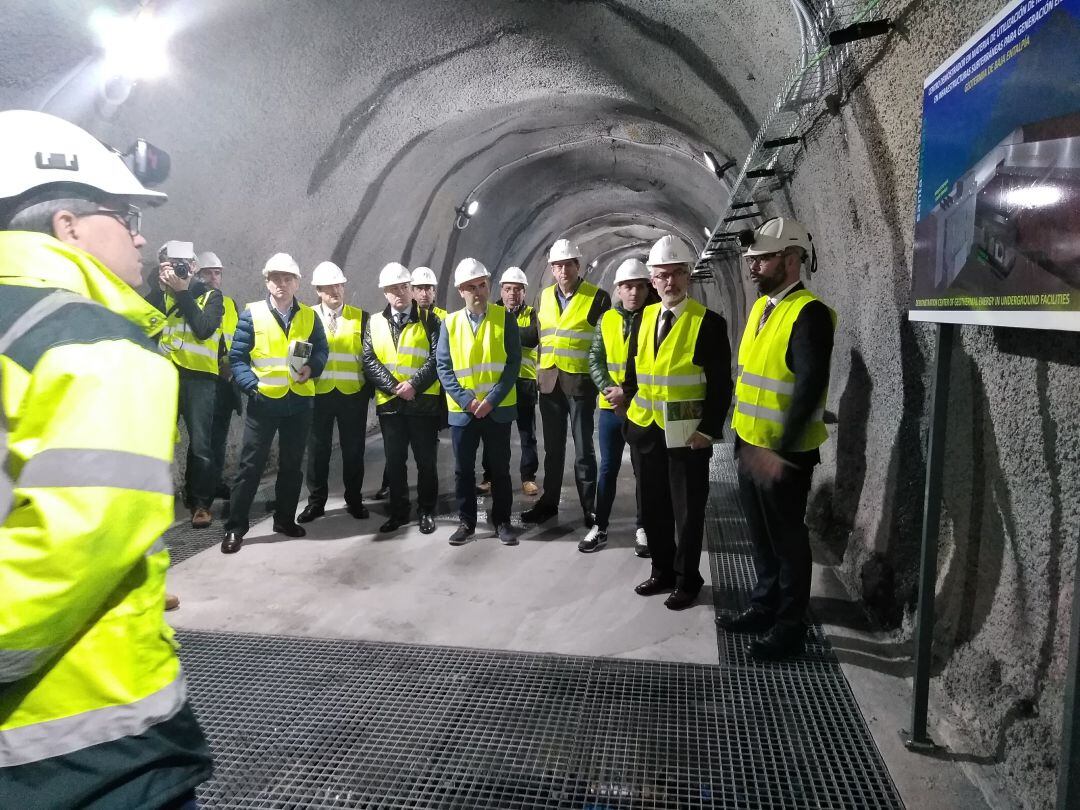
(565, 337)
(343, 371)
(669, 375)
(478, 360)
(616, 349)
(180, 345)
(404, 359)
(269, 355)
(765, 384)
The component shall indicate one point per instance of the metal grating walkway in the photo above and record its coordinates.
(299, 722)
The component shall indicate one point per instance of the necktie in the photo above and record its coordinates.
(765, 313)
(333, 323)
(667, 318)
(400, 318)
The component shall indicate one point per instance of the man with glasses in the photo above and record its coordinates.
(784, 358)
(191, 338)
(678, 369)
(93, 708)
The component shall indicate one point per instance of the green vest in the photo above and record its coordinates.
(343, 371)
(403, 360)
(479, 360)
(670, 374)
(565, 337)
(616, 349)
(765, 384)
(270, 354)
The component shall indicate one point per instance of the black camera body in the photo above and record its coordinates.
(179, 256)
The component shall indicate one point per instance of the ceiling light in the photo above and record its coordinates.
(134, 45)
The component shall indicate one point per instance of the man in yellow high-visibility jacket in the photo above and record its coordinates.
(93, 709)
(340, 396)
(784, 360)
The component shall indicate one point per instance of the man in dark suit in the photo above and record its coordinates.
(678, 353)
(784, 359)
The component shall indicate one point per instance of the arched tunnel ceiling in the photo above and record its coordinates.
(353, 129)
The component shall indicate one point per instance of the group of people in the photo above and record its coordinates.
(93, 377)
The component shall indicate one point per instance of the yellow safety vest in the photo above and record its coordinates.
(180, 345)
(616, 348)
(765, 384)
(479, 360)
(565, 337)
(403, 360)
(85, 493)
(228, 322)
(439, 312)
(343, 371)
(270, 354)
(669, 375)
(529, 357)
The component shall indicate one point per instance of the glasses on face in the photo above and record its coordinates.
(761, 258)
(130, 219)
(665, 276)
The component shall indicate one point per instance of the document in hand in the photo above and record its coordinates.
(681, 419)
(299, 352)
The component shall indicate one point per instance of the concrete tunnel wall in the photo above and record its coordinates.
(351, 130)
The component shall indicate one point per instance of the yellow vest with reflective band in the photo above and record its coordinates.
(440, 313)
(479, 360)
(228, 322)
(406, 358)
(86, 657)
(616, 348)
(529, 357)
(343, 371)
(565, 337)
(670, 375)
(765, 384)
(180, 345)
(270, 354)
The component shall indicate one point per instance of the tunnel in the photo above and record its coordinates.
(360, 132)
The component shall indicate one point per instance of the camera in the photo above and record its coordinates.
(179, 256)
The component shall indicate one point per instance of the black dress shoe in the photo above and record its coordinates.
(780, 643)
(427, 524)
(358, 511)
(392, 525)
(653, 586)
(680, 600)
(232, 542)
(311, 511)
(382, 494)
(750, 620)
(289, 529)
(461, 534)
(539, 513)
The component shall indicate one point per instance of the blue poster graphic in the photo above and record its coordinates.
(997, 233)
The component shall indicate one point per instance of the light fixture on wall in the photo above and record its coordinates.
(134, 48)
(716, 167)
(465, 213)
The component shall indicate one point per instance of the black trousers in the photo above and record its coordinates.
(672, 488)
(225, 405)
(350, 413)
(198, 393)
(400, 432)
(555, 409)
(776, 515)
(526, 425)
(260, 425)
(496, 438)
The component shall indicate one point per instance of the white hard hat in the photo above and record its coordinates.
(514, 275)
(563, 251)
(469, 269)
(670, 250)
(394, 274)
(631, 270)
(327, 273)
(424, 276)
(281, 263)
(37, 149)
(208, 259)
(777, 234)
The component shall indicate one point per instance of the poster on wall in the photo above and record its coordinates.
(997, 221)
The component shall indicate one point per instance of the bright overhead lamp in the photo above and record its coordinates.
(134, 45)
(465, 213)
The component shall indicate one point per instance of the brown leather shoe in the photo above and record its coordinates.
(201, 518)
(530, 488)
(654, 585)
(172, 601)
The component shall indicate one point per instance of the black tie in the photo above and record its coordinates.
(400, 318)
(667, 318)
(765, 313)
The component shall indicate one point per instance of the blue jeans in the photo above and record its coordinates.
(612, 445)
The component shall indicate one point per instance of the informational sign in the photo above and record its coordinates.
(997, 222)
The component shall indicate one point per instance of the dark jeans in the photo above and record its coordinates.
(400, 432)
(776, 516)
(224, 407)
(259, 429)
(612, 445)
(555, 409)
(198, 393)
(526, 424)
(672, 488)
(496, 438)
(350, 413)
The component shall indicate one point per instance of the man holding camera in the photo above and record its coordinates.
(193, 314)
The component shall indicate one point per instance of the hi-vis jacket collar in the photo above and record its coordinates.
(38, 260)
